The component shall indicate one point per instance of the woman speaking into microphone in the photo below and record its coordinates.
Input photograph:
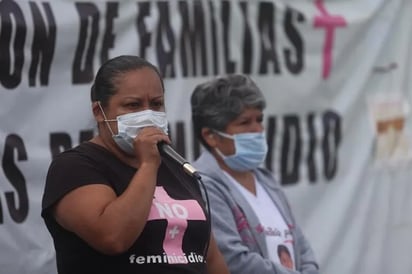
(113, 204)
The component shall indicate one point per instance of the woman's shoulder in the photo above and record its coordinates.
(85, 150)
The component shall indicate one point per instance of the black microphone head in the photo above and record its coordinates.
(167, 151)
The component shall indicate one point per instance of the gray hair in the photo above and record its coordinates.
(218, 102)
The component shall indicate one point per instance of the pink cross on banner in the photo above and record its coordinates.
(177, 213)
(329, 22)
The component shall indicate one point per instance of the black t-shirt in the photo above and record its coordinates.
(173, 239)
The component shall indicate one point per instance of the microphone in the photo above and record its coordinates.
(167, 151)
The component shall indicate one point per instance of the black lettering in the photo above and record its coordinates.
(293, 57)
(193, 38)
(12, 23)
(196, 147)
(59, 142)
(86, 135)
(180, 140)
(44, 42)
(213, 30)
(144, 35)
(291, 150)
(186, 39)
(165, 53)
(330, 143)
(225, 15)
(108, 38)
(247, 56)
(266, 24)
(271, 134)
(18, 206)
(310, 160)
(88, 33)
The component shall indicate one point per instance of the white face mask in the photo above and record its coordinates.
(129, 125)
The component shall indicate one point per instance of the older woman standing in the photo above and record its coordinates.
(113, 204)
(251, 218)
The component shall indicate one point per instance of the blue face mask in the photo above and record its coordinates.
(250, 150)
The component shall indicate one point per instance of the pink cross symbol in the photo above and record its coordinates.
(329, 22)
(177, 213)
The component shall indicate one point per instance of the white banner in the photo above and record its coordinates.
(336, 76)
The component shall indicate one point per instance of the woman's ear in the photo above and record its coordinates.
(209, 136)
(97, 112)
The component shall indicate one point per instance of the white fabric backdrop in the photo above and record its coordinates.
(337, 81)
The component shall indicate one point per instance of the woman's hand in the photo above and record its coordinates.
(145, 145)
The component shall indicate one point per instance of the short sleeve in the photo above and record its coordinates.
(69, 171)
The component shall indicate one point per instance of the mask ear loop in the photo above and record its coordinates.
(105, 118)
(224, 135)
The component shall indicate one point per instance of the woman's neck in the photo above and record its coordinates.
(245, 178)
(112, 148)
